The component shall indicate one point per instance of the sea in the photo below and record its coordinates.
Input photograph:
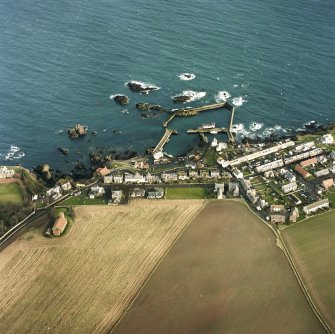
(60, 61)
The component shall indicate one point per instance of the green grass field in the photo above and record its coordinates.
(83, 200)
(10, 193)
(185, 193)
(311, 244)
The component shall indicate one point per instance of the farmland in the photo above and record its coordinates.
(311, 244)
(83, 282)
(223, 275)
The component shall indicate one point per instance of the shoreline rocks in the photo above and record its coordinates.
(141, 87)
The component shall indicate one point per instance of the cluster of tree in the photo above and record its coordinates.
(11, 215)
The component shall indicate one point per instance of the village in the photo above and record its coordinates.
(283, 182)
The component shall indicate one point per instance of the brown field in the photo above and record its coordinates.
(223, 275)
(83, 282)
(311, 244)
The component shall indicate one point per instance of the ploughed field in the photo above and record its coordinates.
(311, 245)
(83, 281)
(224, 274)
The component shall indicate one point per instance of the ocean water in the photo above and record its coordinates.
(60, 61)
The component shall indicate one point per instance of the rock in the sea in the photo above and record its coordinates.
(121, 99)
(63, 150)
(78, 131)
(96, 159)
(44, 172)
(140, 87)
(149, 107)
(181, 98)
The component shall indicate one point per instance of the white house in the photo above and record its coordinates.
(310, 208)
(286, 188)
(66, 186)
(6, 173)
(108, 179)
(214, 142)
(327, 139)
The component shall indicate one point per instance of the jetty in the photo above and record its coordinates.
(187, 112)
(204, 130)
(164, 140)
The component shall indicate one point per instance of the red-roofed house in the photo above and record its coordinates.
(308, 162)
(60, 224)
(103, 171)
(328, 183)
(303, 172)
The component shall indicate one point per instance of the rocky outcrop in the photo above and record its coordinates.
(97, 159)
(81, 172)
(141, 87)
(78, 131)
(149, 107)
(121, 99)
(181, 98)
(63, 150)
(44, 172)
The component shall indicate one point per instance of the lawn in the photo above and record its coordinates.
(11, 193)
(210, 157)
(83, 200)
(185, 193)
(82, 283)
(311, 244)
(223, 275)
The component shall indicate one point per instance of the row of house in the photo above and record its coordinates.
(313, 207)
(166, 177)
(304, 155)
(57, 191)
(6, 172)
(155, 193)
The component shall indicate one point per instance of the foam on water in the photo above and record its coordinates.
(238, 101)
(222, 96)
(14, 153)
(254, 126)
(186, 76)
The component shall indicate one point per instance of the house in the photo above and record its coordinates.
(270, 165)
(156, 193)
(103, 171)
(309, 162)
(108, 179)
(234, 189)
(219, 190)
(169, 177)
(193, 174)
(310, 208)
(150, 178)
(96, 191)
(116, 197)
(138, 178)
(294, 215)
(128, 178)
(137, 192)
(252, 195)
(245, 183)
(59, 225)
(277, 218)
(141, 165)
(6, 173)
(203, 174)
(328, 183)
(277, 208)
(117, 178)
(54, 192)
(286, 188)
(303, 172)
(322, 159)
(66, 186)
(290, 177)
(221, 146)
(237, 173)
(214, 174)
(327, 139)
(214, 142)
(269, 173)
(182, 175)
(304, 146)
(321, 172)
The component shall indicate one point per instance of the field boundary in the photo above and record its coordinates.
(296, 273)
(110, 331)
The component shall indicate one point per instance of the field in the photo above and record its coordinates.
(83, 282)
(185, 193)
(224, 275)
(10, 193)
(311, 244)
